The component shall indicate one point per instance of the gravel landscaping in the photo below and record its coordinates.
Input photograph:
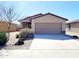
(12, 40)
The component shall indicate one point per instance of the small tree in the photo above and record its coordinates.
(9, 15)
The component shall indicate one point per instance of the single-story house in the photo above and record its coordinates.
(4, 26)
(73, 26)
(45, 23)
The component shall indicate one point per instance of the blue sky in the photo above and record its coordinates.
(67, 9)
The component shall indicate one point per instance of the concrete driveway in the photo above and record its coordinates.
(54, 42)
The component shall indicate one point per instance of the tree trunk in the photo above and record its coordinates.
(8, 31)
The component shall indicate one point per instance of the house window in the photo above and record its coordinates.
(29, 25)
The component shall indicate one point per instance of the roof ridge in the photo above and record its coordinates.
(40, 14)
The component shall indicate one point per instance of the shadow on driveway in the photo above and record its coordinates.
(53, 37)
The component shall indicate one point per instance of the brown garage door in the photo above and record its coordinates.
(48, 28)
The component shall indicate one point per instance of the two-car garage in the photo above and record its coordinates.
(48, 24)
(48, 28)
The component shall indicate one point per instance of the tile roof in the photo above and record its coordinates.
(40, 15)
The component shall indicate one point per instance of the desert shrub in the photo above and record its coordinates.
(3, 38)
(25, 31)
(25, 34)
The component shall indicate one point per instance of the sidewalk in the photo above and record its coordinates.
(39, 53)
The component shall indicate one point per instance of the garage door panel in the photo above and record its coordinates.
(48, 28)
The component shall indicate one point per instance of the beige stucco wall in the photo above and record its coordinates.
(74, 27)
(48, 19)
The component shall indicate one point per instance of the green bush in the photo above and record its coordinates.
(3, 38)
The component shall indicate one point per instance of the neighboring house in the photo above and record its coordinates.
(73, 26)
(4, 27)
(45, 23)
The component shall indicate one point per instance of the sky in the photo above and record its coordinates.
(66, 9)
